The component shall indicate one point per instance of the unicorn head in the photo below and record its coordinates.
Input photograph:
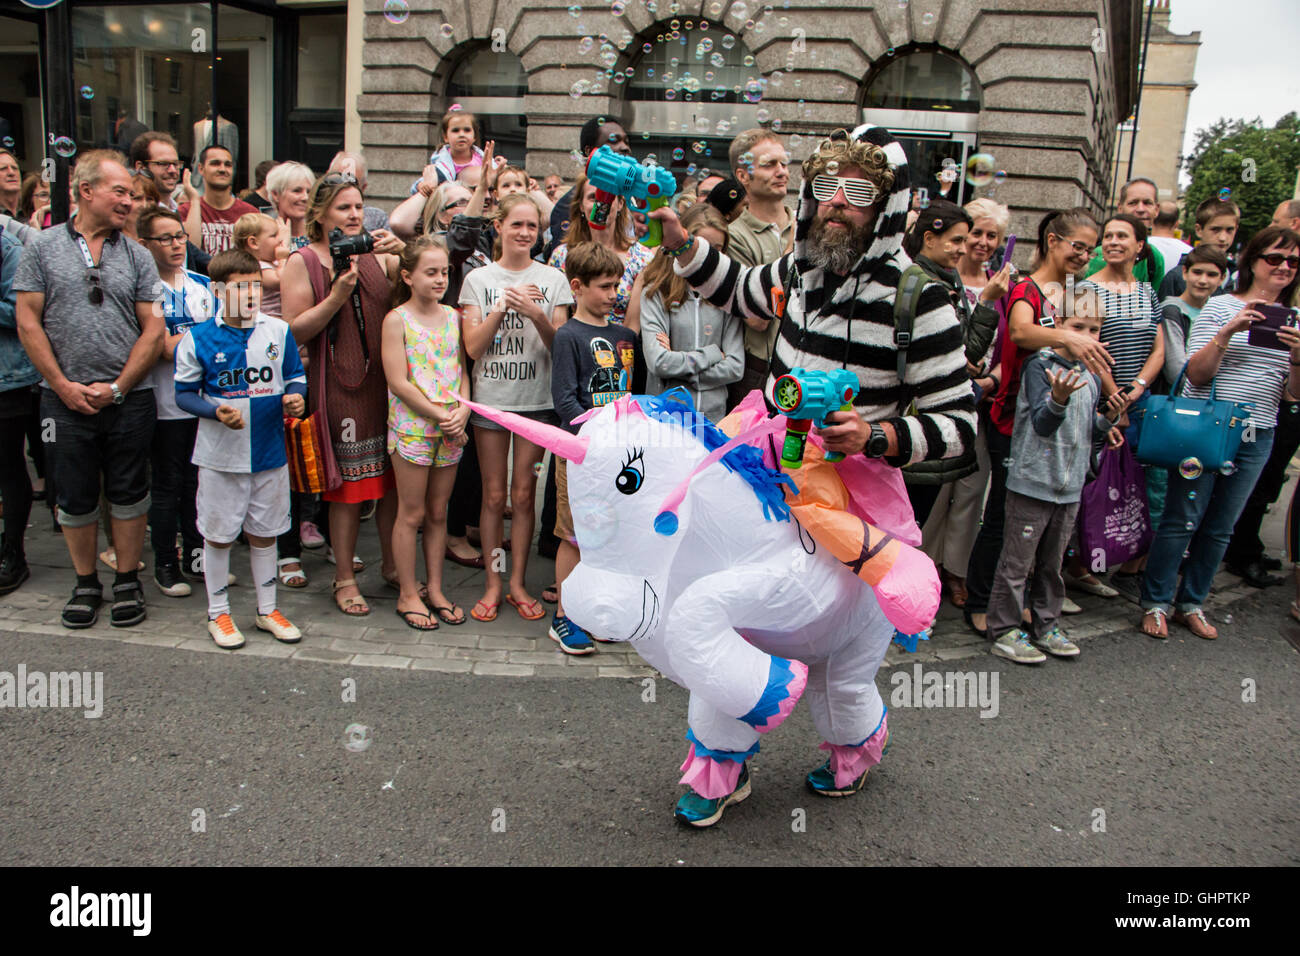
(637, 472)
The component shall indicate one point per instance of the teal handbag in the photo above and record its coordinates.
(1191, 434)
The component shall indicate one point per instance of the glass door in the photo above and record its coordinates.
(937, 166)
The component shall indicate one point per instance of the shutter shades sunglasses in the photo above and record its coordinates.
(859, 192)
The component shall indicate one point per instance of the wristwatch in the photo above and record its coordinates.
(1141, 381)
(118, 397)
(877, 443)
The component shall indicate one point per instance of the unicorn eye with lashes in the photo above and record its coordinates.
(630, 477)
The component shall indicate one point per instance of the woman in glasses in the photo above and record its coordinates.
(339, 315)
(1130, 329)
(1202, 509)
(1065, 241)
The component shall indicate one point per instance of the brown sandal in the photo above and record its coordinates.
(1161, 626)
(347, 604)
(1196, 622)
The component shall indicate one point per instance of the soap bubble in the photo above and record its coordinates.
(718, 60)
(646, 47)
(575, 11)
(679, 153)
(708, 330)
(1000, 177)
(795, 139)
(701, 125)
(832, 168)
(739, 11)
(396, 11)
(356, 738)
(578, 88)
(753, 91)
(1190, 526)
(7, 142)
(980, 169)
(670, 94)
(927, 18)
(748, 60)
(617, 7)
(1224, 194)
(728, 42)
(585, 45)
(1190, 468)
(65, 147)
(446, 31)
(1191, 496)
(764, 114)
(87, 92)
(723, 127)
(706, 44)
(609, 58)
(776, 125)
(1028, 532)
(1229, 469)
(538, 470)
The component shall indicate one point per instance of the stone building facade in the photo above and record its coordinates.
(1162, 121)
(1041, 85)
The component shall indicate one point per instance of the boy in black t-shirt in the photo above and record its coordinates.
(591, 365)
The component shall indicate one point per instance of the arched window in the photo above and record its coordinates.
(493, 89)
(692, 94)
(924, 80)
(930, 100)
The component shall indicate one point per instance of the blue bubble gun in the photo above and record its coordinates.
(806, 398)
(642, 187)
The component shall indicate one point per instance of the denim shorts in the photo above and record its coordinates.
(546, 416)
(113, 443)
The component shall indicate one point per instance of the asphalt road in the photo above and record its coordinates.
(464, 769)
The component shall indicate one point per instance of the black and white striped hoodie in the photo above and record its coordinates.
(855, 328)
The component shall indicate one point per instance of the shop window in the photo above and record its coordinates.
(322, 50)
(116, 53)
(924, 80)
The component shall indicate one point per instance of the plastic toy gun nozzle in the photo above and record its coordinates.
(806, 398)
(644, 188)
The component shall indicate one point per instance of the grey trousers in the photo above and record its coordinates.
(1033, 542)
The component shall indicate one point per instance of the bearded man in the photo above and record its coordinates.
(833, 296)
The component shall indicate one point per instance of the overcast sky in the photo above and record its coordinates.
(1246, 65)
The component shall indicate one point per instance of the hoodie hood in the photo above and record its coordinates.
(885, 254)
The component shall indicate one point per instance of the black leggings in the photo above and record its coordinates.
(15, 483)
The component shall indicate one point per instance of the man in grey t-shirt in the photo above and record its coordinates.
(88, 320)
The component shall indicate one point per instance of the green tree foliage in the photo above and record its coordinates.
(1256, 163)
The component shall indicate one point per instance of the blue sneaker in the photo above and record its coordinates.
(694, 810)
(571, 638)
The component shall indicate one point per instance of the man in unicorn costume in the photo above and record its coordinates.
(692, 549)
(914, 404)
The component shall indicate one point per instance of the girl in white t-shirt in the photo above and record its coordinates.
(510, 311)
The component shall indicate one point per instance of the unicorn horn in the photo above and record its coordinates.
(567, 446)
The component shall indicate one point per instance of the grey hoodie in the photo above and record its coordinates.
(1051, 444)
(707, 354)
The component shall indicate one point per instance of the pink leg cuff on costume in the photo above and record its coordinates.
(711, 778)
(849, 761)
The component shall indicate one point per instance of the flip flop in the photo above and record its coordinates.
(443, 613)
(489, 611)
(407, 615)
(520, 606)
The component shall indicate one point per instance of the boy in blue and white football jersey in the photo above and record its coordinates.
(185, 300)
(240, 373)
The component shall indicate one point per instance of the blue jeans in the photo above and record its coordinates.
(1199, 517)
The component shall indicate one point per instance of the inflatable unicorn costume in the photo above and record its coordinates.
(748, 590)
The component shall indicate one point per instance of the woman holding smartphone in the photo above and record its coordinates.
(1201, 512)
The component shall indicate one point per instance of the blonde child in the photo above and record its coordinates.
(259, 235)
(511, 309)
(423, 362)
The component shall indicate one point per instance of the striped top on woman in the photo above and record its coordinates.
(1128, 327)
(1247, 373)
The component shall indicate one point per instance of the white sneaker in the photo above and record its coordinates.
(278, 626)
(225, 633)
(1014, 646)
(1069, 607)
